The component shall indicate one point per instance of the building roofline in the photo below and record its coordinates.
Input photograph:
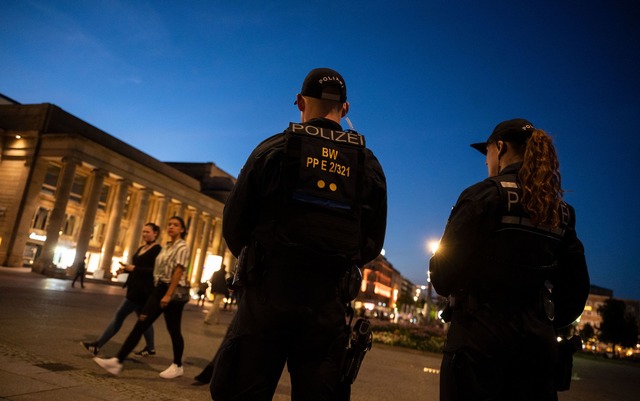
(48, 119)
(7, 100)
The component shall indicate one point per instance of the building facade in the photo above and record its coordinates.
(387, 295)
(73, 191)
(591, 315)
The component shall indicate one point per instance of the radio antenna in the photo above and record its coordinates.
(349, 122)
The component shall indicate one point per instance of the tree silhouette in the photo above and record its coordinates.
(587, 332)
(618, 327)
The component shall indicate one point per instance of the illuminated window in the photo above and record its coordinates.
(40, 218)
(104, 197)
(127, 204)
(51, 180)
(382, 289)
(69, 225)
(77, 188)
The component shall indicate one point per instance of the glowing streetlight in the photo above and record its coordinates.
(432, 246)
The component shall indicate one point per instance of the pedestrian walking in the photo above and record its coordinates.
(81, 270)
(220, 292)
(170, 272)
(139, 287)
(202, 293)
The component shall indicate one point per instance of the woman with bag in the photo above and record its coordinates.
(139, 288)
(170, 276)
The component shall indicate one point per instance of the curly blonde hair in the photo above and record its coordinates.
(541, 181)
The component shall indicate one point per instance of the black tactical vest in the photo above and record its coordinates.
(519, 243)
(322, 174)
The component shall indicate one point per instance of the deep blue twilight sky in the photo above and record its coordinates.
(208, 80)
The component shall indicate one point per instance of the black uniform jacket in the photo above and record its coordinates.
(468, 258)
(249, 210)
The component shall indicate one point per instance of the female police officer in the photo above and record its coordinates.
(514, 271)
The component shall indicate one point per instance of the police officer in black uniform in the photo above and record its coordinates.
(514, 271)
(308, 206)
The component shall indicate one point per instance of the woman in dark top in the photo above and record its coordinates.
(139, 287)
(169, 274)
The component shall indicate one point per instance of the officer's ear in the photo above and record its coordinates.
(502, 148)
(345, 109)
(300, 102)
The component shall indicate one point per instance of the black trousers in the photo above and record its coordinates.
(150, 313)
(79, 275)
(282, 320)
(499, 357)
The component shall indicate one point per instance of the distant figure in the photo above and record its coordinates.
(514, 270)
(139, 288)
(231, 299)
(220, 292)
(170, 272)
(202, 293)
(80, 272)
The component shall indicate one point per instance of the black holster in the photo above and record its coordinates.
(359, 343)
(566, 349)
(349, 284)
(240, 274)
(248, 269)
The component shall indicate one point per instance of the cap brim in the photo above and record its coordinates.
(480, 147)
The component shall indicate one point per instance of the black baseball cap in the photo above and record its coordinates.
(325, 83)
(516, 130)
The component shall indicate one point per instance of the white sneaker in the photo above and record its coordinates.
(111, 365)
(172, 372)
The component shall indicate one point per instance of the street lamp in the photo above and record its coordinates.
(433, 247)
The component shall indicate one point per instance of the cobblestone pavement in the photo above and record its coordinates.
(43, 320)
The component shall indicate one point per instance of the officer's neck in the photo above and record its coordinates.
(333, 116)
(510, 168)
(322, 122)
(508, 159)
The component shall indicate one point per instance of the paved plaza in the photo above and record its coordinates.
(43, 320)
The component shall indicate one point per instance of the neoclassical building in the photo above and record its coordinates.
(71, 190)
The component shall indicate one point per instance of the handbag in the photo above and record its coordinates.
(181, 295)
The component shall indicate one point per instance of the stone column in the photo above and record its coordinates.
(56, 219)
(14, 254)
(228, 259)
(161, 219)
(191, 240)
(86, 229)
(204, 243)
(193, 230)
(181, 209)
(137, 222)
(152, 209)
(113, 228)
(216, 247)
